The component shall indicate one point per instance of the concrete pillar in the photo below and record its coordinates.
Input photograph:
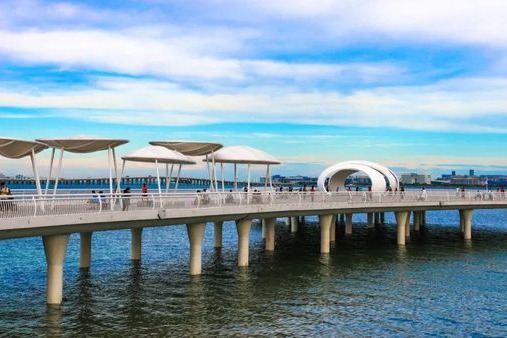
(263, 222)
(407, 227)
(55, 248)
(348, 224)
(417, 220)
(195, 233)
(218, 233)
(325, 232)
(293, 224)
(461, 221)
(243, 226)
(270, 233)
(376, 215)
(467, 223)
(401, 219)
(423, 218)
(382, 218)
(85, 252)
(369, 222)
(135, 249)
(342, 218)
(332, 230)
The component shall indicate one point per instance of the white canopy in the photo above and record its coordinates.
(244, 155)
(159, 154)
(190, 148)
(83, 145)
(16, 148)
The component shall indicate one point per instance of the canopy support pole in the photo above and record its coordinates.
(209, 173)
(168, 182)
(178, 178)
(248, 182)
(222, 174)
(158, 184)
(214, 172)
(36, 173)
(235, 177)
(110, 177)
(58, 171)
(267, 173)
(50, 170)
(118, 178)
(270, 178)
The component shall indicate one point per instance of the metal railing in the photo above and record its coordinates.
(14, 206)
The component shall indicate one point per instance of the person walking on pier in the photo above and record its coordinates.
(125, 199)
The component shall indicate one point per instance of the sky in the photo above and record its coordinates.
(419, 86)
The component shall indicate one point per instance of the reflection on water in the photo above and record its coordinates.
(438, 284)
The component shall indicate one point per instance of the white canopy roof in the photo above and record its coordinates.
(244, 155)
(158, 154)
(15, 148)
(190, 148)
(84, 145)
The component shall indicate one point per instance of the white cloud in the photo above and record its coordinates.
(460, 105)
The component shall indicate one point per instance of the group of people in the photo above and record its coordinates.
(5, 197)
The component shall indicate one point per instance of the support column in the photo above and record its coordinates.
(195, 233)
(218, 233)
(325, 227)
(342, 219)
(467, 223)
(369, 222)
(294, 224)
(461, 221)
(263, 228)
(401, 219)
(135, 249)
(332, 229)
(270, 233)
(407, 227)
(417, 220)
(243, 226)
(55, 248)
(423, 218)
(85, 252)
(382, 218)
(376, 216)
(348, 224)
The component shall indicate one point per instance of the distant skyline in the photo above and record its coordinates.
(415, 85)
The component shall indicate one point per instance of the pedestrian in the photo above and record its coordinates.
(126, 199)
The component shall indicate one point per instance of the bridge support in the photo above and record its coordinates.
(376, 216)
(270, 233)
(263, 223)
(195, 233)
(417, 220)
(401, 220)
(325, 227)
(332, 229)
(243, 226)
(466, 216)
(369, 222)
(55, 248)
(135, 248)
(348, 224)
(218, 233)
(382, 218)
(85, 249)
(407, 227)
(294, 224)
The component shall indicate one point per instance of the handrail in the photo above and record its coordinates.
(67, 204)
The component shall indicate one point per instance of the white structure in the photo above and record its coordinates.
(414, 178)
(158, 154)
(334, 176)
(14, 148)
(244, 155)
(195, 148)
(83, 146)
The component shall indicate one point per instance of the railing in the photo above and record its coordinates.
(14, 206)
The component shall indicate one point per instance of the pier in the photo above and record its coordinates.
(54, 218)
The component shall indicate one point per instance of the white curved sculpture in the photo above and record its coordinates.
(336, 175)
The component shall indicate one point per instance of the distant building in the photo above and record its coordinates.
(472, 172)
(414, 178)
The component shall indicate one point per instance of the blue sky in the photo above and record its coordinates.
(415, 85)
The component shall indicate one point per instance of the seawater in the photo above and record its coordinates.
(439, 285)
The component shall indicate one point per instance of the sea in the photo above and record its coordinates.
(437, 286)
